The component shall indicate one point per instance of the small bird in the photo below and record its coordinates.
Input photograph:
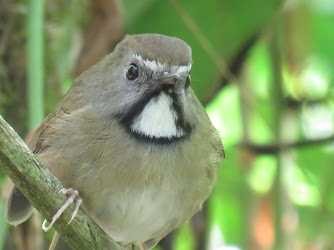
(132, 138)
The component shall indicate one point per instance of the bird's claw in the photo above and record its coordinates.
(72, 197)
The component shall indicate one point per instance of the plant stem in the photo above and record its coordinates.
(35, 64)
(278, 107)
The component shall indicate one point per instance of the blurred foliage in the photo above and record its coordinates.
(243, 110)
(35, 62)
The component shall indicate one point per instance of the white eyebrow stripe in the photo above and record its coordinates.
(183, 69)
(157, 66)
(152, 64)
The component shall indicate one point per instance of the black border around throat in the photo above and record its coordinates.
(127, 118)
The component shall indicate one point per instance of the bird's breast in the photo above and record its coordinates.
(148, 192)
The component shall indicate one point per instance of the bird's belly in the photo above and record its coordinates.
(140, 215)
(140, 200)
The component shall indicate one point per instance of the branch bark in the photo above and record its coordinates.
(42, 190)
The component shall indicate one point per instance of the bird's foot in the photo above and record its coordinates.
(141, 247)
(72, 197)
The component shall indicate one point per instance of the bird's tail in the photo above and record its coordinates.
(18, 209)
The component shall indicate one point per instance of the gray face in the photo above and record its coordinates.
(150, 87)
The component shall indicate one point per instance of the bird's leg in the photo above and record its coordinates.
(72, 197)
(141, 246)
(138, 246)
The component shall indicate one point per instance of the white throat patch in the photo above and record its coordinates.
(158, 119)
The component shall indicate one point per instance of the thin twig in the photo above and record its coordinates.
(274, 148)
(205, 43)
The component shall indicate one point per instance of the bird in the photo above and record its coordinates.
(131, 137)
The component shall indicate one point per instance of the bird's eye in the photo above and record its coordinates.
(133, 72)
(188, 81)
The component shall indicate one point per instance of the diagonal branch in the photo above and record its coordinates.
(41, 188)
(235, 66)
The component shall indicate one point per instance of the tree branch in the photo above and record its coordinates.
(42, 190)
(274, 148)
(102, 34)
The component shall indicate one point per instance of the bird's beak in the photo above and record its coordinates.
(170, 80)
